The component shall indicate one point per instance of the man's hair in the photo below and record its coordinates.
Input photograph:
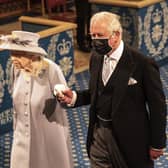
(111, 19)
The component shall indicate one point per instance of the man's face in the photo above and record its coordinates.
(99, 31)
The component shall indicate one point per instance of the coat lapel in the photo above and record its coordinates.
(95, 71)
(121, 77)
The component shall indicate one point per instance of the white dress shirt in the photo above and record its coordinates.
(113, 61)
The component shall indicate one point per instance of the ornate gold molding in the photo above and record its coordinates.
(127, 3)
(56, 26)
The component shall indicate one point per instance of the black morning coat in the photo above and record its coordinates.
(138, 111)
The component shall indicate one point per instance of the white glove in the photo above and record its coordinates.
(58, 88)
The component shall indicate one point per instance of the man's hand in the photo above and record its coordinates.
(65, 97)
(155, 153)
(64, 94)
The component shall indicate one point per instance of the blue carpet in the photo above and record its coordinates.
(79, 121)
(78, 118)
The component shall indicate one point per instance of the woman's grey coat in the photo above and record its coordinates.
(41, 138)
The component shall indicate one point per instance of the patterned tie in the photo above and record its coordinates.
(108, 67)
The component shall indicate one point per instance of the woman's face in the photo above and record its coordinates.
(21, 59)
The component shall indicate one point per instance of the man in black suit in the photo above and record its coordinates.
(83, 19)
(127, 108)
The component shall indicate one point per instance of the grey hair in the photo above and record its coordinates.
(111, 19)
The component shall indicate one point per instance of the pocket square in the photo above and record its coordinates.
(132, 81)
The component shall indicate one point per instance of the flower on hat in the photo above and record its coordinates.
(14, 39)
(22, 41)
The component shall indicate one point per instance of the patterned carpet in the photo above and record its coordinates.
(78, 118)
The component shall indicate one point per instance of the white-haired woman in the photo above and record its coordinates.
(41, 138)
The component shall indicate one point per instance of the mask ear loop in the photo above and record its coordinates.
(114, 39)
(109, 40)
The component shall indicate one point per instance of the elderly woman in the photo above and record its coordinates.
(41, 138)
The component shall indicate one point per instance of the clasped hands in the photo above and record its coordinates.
(63, 93)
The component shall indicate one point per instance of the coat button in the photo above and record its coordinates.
(26, 113)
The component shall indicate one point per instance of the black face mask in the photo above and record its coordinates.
(101, 46)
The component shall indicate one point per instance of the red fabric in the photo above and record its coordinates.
(53, 3)
(3, 1)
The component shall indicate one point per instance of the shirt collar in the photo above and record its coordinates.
(118, 52)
